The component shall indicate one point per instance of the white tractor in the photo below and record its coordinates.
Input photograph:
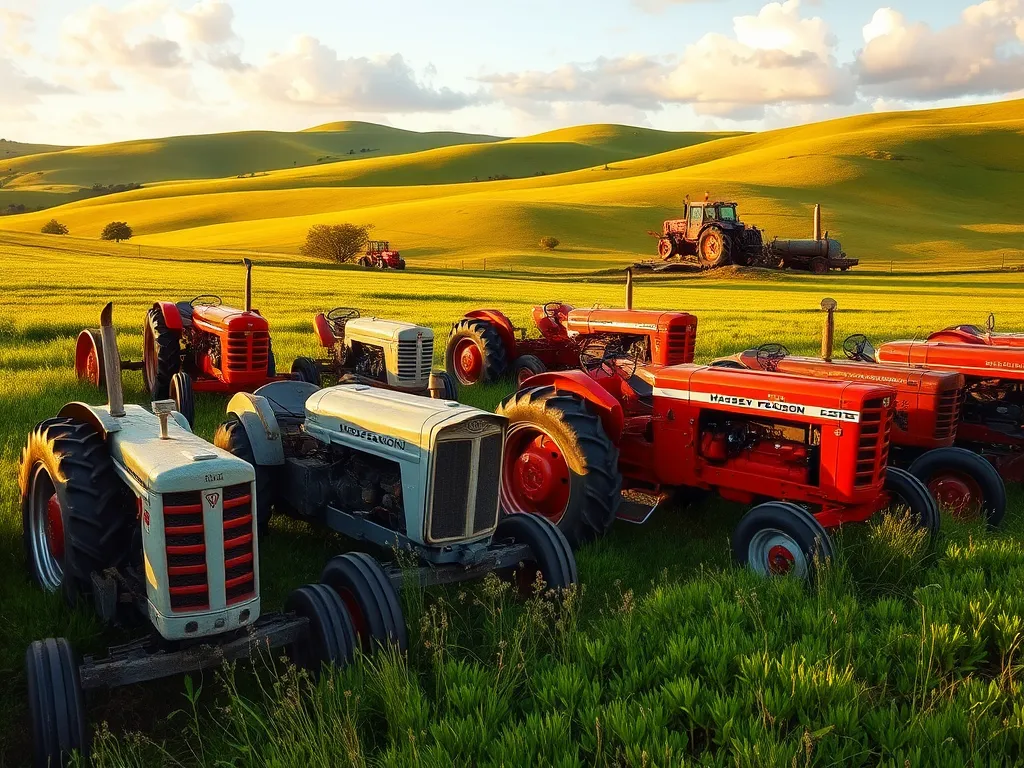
(132, 510)
(382, 353)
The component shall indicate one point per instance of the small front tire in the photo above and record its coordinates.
(906, 491)
(232, 437)
(526, 366)
(551, 556)
(180, 391)
(370, 598)
(331, 638)
(964, 482)
(779, 538)
(305, 369)
(56, 707)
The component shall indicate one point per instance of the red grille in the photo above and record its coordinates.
(947, 414)
(239, 567)
(247, 351)
(186, 552)
(681, 343)
(873, 447)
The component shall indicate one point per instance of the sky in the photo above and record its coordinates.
(94, 72)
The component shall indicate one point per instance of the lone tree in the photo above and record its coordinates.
(336, 242)
(117, 231)
(549, 242)
(54, 227)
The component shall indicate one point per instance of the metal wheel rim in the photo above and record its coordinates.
(49, 569)
(468, 372)
(959, 493)
(149, 358)
(515, 495)
(763, 548)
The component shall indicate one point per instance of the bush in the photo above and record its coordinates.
(335, 242)
(117, 231)
(54, 227)
(549, 242)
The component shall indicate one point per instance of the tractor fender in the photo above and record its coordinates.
(506, 331)
(172, 317)
(324, 332)
(99, 418)
(608, 409)
(260, 424)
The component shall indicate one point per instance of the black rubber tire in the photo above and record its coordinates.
(400, 265)
(552, 554)
(184, 398)
(232, 437)
(449, 386)
(97, 512)
(794, 522)
(167, 345)
(993, 490)
(271, 360)
(529, 363)
(305, 369)
(492, 350)
(724, 253)
(818, 266)
(594, 491)
(370, 598)
(331, 639)
(55, 704)
(912, 493)
(363, 262)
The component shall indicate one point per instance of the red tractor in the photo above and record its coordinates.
(485, 347)
(380, 256)
(925, 424)
(582, 442)
(194, 346)
(972, 334)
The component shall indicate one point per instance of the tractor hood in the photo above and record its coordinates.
(382, 331)
(230, 318)
(975, 360)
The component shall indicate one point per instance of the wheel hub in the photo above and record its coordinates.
(54, 528)
(780, 560)
(469, 361)
(957, 493)
(536, 476)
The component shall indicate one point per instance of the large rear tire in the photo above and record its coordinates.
(908, 493)
(76, 513)
(56, 708)
(964, 482)
(779, 538)
(475, 353)
(551, 554)
(232, 437)
(331, 639)
(714, 249)
(559, 463)
(161, 354)
(370, 598)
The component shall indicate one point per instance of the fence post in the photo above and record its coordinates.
(890, 266)
(485, 264)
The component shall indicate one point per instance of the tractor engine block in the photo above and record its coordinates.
(997, 405)
(770, 450)
(368, 360)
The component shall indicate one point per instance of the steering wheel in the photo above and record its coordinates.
(770, 355)
(601, 354)
(551, 311)
(856, 348)
(206, 300)
(342, 314)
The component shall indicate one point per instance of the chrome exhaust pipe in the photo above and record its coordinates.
(629, 287)
(111, 361)
(817, 221)
(248, 284)
(828, 332)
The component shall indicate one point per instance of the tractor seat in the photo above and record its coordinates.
(642, 384)
(185, 310)
(550, 329)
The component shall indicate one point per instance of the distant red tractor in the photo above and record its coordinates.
(193, 346)
(925, 425)
(380, 256)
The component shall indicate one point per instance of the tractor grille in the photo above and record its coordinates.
(751, 238)
(464, 503)
(186, 552)
(415, 358)
(873, 446)
(239, 570)
(681, 343)
(247, 351)
(947, 414)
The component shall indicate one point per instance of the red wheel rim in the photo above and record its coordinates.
(55, 528)
(523, 375)
(149, 358)
(780, 560)
(468, 360)
(535, 475)
(959, 493)
(87, 364)
(664, 249)
(356, 612)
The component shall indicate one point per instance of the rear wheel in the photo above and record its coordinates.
(161, 354)
(559, 463)
(779, 538)
(908, 495)
(475, 352)
(305, 369)
(551, 556)
(331, 638)
(963, 482)
(526, 366)
(232, 437)
(184, 399)
(819, 266)
(713, 248)
(89, 357)
(370, 598)
(56, 708)
(76, 515)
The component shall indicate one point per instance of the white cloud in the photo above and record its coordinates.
(982, 53)
(14, 26)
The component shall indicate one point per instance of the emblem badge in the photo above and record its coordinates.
(212, 499)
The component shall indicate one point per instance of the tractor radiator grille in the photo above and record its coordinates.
(415, 358)
(464, 502)
(873, 447)
(247, 351)
(947, 414)
(681, 343)
(186, 552)
(239, 567)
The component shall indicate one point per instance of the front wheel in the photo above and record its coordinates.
(443, 386)
(305, 369)
(551, 559)
(330, 639)
(908, 495)
(56, 707)
(232, 437)
(963, 482)
(370, 598)
(779, 538)
(526, 366)
(184, 399)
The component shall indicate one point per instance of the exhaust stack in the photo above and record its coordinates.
(111, 361)
(629, 287)
(817, 221)
(828, 332)
(248, 284)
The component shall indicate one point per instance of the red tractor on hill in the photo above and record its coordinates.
(925, 424)
(380, 256)
(194, 346)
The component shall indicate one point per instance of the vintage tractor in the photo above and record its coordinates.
(925, 423)
(395, 470)
(485, 347)
(193, 346)
(153, 523)
(381, 353)
(711, 234)
(380, 256)
(973, 334)
(581, 441)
